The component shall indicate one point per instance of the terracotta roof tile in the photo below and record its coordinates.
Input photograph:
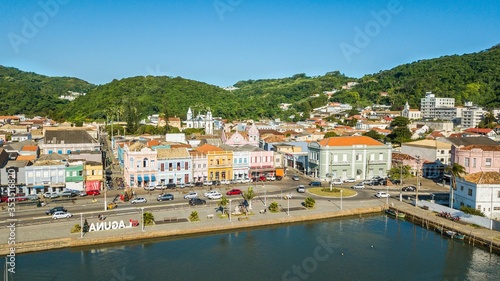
(483, 178)
(349, 141)
(30, 148)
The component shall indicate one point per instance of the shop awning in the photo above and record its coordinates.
(146, 178)
(139, 178)
(38, 187)
(153, 178)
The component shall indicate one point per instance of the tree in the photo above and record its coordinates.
(249, 195)
(274, 207)
(456, 170)
(400, 121)
(309, 202)
(400, 135)
(374, 135)
(223, 203)
(330, 134)
(148, 218)
(396, 172)
(194, 216)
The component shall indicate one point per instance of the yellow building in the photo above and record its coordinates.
(220, 164)
(93, 175)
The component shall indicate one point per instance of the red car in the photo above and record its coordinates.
(234, 191)
(93, 192)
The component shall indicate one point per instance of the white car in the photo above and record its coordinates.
(246, 180)
(271, 178)
(382, 194)
(149, 188)
(61, 215)
(207, 183)
(350, 180)
(337, 182)
(359, 185)
(191, 195)
(50, 195)
(224, 182)
(208, 193)
(301, 189)
(215, 196)
(138, 200)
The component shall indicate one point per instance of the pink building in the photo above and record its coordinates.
(477, 158)
(261, 162)
(139, 162)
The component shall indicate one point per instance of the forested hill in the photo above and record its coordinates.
(470, 77)
(34, 94)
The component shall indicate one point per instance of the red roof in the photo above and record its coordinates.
(349, 141)
(479, 130)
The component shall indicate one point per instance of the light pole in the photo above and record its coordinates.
(418, 181)
(81, 225)
(387, 191)
(265, 195)
(331, 171)
(229, 210)
(142, 218)
(341, 199)
(288, 207)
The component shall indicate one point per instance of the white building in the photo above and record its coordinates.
(430, 150)
(438, 108)
(479, 191)
(200, 121)
(411, 114)
(472, 116)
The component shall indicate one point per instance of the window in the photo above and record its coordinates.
(498, 195)
(496, 208)
(461, 188)
(372, 157)
(186, 166)
(344, 157)
(470, 192)
(473, 162)
(466, 163)
(335, 158)
(358, 157)
(381, 156)
(145, 163)
(488, 162)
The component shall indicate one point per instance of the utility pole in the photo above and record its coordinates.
(418, 180)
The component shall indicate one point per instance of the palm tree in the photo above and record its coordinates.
(249, 195)
(223, 203)
(456, 171)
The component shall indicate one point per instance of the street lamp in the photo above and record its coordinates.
(229, 210)
(142, 218)
(418, 181)
(265, 195)
(341, 198)
(288, 207)
(331, 171)
(81, 225)
(387, 191)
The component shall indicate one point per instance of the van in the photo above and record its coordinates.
(315, 183)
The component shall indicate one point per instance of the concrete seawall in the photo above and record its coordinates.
(157, 231)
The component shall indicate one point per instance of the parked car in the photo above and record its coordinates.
(61, 215)
(359, 185)
(246, 180)
(55, 209)
(160, 186)
(81, 193)
(301, 189)
(225, 182)
(215, 182)
(396, 181)
(191, 195)
(138, 200)
(315, 183)
(337, 182)
(382, 194)
(150, 188)
(165, 196)
(50, 195)
(171, 185)
(93, 192)
(214, 196)
(207, 183)
(210, 192)
(234, 191)
(270, 178)
(295, 178)
(67, 193)
(198, 183)
(278, 178)
(350, 180)
(197, 201)
(189, 184)
(181, 185)
(409, 188)
(262, 178)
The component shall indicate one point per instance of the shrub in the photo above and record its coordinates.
(309, 202)
(273, 207)
(472, 211)
(194, 216)
(148, 218)
(76, 228)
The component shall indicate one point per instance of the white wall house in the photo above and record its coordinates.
(480, 191)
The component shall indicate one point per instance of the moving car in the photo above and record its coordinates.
(234, 191)
(93, 192)
(214, 196)
(138, 200)
(55, 209)
(208, 193)
(409, 188)
(197, 201)
(166, 196)
(61, 215)
(301, 189)
(191, 195)
(295, 178)
(382, 194)
(67, 193)
(315, 183)
(50, 195)
(359, 185)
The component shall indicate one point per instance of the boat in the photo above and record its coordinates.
(459, 236)
(395, 214)
(450, 233)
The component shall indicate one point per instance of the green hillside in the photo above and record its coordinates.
(470, 77)
(34, 94)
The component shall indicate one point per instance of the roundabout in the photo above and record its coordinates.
(335, 193)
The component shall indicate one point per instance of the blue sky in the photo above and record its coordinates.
(221, 42)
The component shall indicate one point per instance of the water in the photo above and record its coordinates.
(370, 248)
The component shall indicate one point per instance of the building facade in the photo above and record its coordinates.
(480, 191)
(437, 108)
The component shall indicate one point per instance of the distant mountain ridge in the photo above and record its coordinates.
(471, 77)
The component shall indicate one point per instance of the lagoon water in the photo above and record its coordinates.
(368, 248)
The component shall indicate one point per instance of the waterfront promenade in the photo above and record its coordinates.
(56, 234)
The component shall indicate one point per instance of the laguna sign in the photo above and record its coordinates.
(108, 225)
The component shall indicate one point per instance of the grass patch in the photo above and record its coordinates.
(325, 191)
